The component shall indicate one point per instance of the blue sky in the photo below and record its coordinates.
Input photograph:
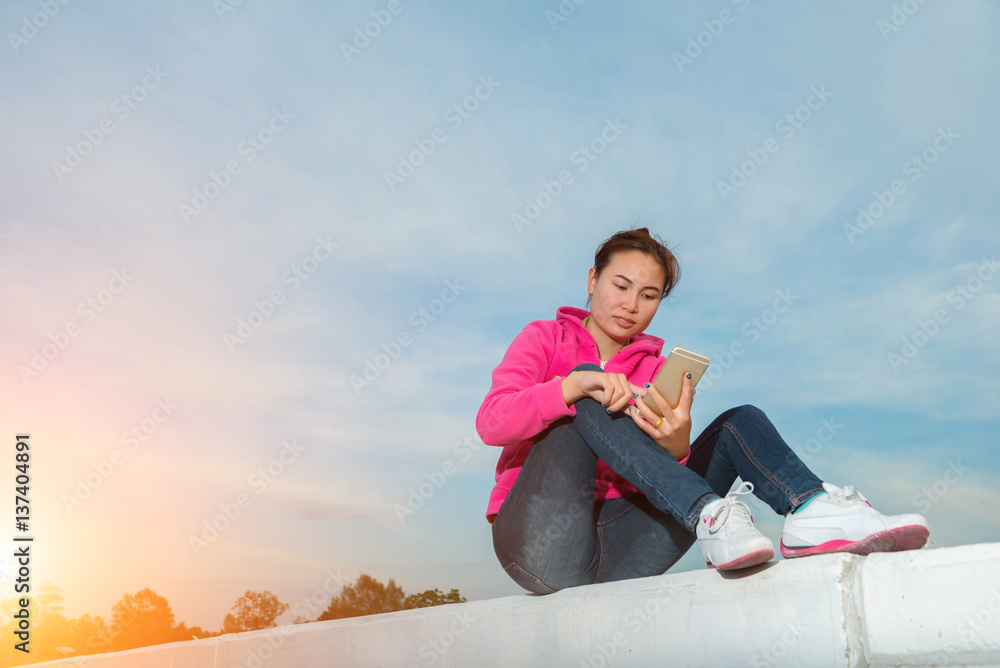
(283, 137)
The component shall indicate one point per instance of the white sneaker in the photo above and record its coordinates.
(727, 535)
(841, 520)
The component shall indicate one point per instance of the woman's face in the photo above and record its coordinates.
(626, 294)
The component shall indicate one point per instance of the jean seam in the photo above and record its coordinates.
(611, 447)
(538, 579)
(692, 519)
(701, 440)
(796, 500)
(753, 460)
(600, 562)
(600, 537)
(616, 515)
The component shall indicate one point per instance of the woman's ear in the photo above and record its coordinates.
(591, 280)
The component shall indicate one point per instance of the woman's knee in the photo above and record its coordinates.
(544, 557)
(746, 411)
(527, 580)
(586, 366)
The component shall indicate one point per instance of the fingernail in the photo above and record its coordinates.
(689, 375)
(609, 411)
(636, 395)
(646, 385)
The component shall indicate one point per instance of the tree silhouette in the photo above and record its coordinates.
(89, 635)
(145, 618)
(433, 597)
(140, 620)
(367, 596)
(50, 630)
(252, 611)
(184, 632)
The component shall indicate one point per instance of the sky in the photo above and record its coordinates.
(258, 261)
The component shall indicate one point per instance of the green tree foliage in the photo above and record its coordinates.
(253, 611)
(433, 597)
(368, 596)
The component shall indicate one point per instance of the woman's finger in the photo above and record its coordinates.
(655, 422)
(660, 402)
(621, 395)
(642, 410)
(687, 392)
(643, 424)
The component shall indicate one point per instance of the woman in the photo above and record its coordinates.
(593, 487)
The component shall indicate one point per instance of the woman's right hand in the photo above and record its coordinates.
(610, 389)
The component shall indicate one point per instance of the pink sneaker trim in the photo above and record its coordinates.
(752, 559)
(910, 537)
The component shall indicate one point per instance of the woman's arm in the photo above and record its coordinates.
(570, 390)
(521, 403)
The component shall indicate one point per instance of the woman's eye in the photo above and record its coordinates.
(620, 287)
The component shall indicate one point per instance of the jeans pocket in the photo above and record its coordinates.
(527, 580)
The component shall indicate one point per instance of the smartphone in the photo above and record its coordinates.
(670, 378)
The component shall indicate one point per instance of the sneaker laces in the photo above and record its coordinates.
(733, 507)
(846, 493)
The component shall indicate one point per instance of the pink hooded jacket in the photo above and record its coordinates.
(525, 397)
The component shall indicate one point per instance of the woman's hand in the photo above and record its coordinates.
(610, 389)
(674, 431)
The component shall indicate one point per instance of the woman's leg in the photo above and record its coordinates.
(639, 540)
(743, 442)
(549, 534)
(544, 533)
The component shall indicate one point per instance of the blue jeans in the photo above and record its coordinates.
(550, 533)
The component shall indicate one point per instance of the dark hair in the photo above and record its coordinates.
(641, 240)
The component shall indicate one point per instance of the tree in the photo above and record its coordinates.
(432, 597)
(253, 611)
(367, 596)
(51, 635)
(140, 620)
(89, 635)
(184, 632)
(50, 631)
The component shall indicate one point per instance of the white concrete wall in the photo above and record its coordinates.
(921, 608)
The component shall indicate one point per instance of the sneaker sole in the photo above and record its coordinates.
(752, 559)
(895, 540)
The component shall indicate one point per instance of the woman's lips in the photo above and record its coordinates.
(623, 323)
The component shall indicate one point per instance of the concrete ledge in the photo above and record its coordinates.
(920, 608)
(932, 607)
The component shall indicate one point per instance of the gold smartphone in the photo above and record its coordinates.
(670, 379)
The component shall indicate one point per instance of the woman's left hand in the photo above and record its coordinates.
(673, 432)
